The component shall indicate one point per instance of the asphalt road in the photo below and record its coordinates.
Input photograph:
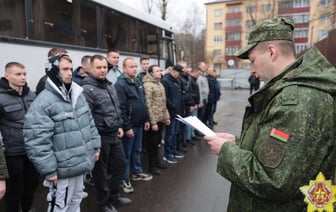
(191, 185)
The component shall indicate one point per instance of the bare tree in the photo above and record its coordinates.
(162, 5)
(191, 40)
(148, 6)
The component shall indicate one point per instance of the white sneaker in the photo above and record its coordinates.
(142, 176)
(126, 187)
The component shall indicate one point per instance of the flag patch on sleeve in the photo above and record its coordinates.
(280, 135)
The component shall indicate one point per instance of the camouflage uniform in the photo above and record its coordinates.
(266, 173)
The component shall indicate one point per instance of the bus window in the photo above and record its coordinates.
(114, 36)
(54, 21)
(88, 26)
(11, 23)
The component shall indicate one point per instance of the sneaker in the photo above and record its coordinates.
(171, 160)
(84, 195)
(121, 201)
(88, 178)
(178, 155)
(126, 186)
(142, 176)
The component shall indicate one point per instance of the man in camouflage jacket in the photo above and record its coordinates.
(288, 132)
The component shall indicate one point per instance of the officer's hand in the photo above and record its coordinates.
(2, 188)
(216, 142)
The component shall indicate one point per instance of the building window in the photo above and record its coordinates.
(233, 36)
(218, 12)
(217, 53)
(301, 33)
(300, 48)
(325, 2)
(324, 18)
(250, 9)
(218, 39)
(233, 9)
(301, 3)
(218, 25)
(266, 8)
(249, 23)
(218, 66)
(322, 33)
(301, 18)
(294, 4)
(231, 50)
(233, 22)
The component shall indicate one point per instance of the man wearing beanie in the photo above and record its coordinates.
(60, 136)
(288, 133)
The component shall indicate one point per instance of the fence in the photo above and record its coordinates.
(234, 78)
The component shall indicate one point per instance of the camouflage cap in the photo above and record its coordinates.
(270, 29)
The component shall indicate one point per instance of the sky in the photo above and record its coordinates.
(177, 10)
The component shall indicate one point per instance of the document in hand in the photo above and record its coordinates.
(194, 122)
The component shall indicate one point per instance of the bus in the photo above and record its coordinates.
(30, 28)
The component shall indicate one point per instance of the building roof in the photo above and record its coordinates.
(222, 1)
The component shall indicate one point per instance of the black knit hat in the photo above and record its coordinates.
(52, 69)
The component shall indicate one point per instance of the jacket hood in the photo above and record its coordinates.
(70, 96)
(150, 78)
(4, 85)
(311, 70)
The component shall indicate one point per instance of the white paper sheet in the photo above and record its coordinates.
(194, 122)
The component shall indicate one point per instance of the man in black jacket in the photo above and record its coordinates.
(104, 104)
(15, 99)
(135, 116)
(175, 105)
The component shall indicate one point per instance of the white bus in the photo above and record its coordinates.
(30, 28)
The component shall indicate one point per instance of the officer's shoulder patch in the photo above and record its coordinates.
(271, 153)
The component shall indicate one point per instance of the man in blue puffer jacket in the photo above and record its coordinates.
(60, 136)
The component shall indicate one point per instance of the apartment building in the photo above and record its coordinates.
(228, 23)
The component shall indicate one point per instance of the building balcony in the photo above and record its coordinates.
(301, 40)
(229, 29)
(236, 15)
(293, 10)
(301, 25)
(232, 43)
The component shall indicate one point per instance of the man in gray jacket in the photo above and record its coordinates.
(60, 136)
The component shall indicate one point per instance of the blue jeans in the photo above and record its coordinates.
(190, 131)
(170, 138)
(133, 149)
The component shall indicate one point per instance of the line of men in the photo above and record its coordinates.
(96, 118)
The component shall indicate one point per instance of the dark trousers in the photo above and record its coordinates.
(201, 112)
(109, 170)
(253, 87)
(209, 112)
(21, 184)
(153, 139)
